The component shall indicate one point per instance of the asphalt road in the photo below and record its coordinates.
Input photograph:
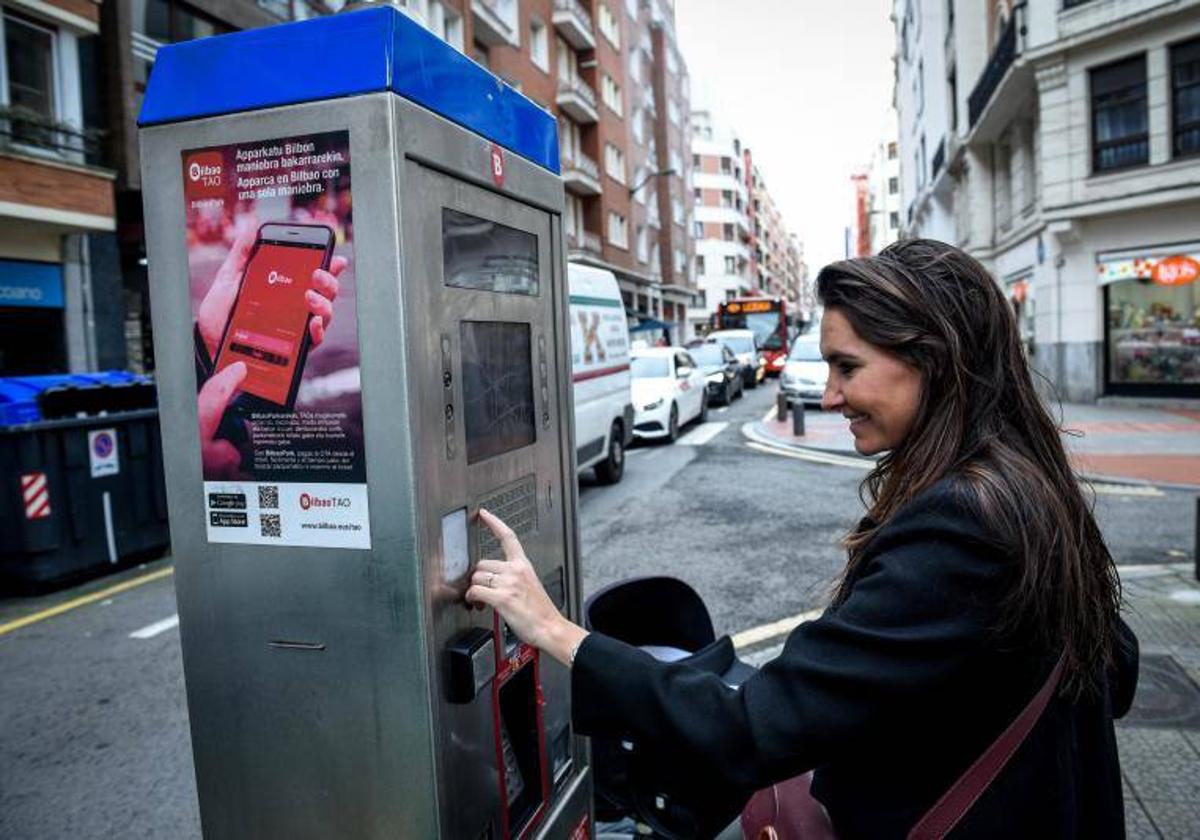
(93, 723)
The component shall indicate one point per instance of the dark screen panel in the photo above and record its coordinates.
(482, 254)
(497, 388)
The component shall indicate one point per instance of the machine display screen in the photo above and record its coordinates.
(497, 388)
(482, 254)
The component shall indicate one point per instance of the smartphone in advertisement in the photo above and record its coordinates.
(268, 324)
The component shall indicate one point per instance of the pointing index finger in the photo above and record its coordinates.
(506, 536)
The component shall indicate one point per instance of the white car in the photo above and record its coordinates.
(668, 392)
(805, 373)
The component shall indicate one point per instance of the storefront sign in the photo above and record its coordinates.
(1175, 271)
(1177, 267)
(31, 284)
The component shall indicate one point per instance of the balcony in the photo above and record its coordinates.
(577, 100)
(1001, 59)
(587, 243)
(497, 22)
(574, 23)
(581, 174)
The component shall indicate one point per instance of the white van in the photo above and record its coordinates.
(600, 371)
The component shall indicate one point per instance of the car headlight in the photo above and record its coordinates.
(653, 405)
(762, 360)
(715, 378)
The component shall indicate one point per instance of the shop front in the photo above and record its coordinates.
(1152, 321)
(32, 337)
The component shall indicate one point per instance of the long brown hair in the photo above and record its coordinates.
(982, 423)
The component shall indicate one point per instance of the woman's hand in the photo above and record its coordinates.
(512, 588)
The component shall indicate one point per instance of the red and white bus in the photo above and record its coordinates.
(768, 318)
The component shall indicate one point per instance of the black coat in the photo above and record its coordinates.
(890, 696)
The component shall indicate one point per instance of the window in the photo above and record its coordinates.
(677, 211)
(637, 122)
(611, 93)
(697, 195)
(919, 81)
(727, 232)
(446, 24)
(731, 265)
(893, 185)
(695, 160)
(893, 220)
(609, 26)
(699, 264)
(539, 45)
(726, 165)
(635, 66)
(726, 198)
(680, 261)
(614, 162)
(673, 111)
(892, 150)
(643, 244)
(29, 56)
(1185, 97)
(1120, 132)
(698, 230)
(618, 230)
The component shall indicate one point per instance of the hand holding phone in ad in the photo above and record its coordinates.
(220, 457)
(214, 311)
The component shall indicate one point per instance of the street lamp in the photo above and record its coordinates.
(646, 180)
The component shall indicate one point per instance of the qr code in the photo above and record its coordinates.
(268, 496)
(271, 526)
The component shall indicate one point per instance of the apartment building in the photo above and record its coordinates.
(54, 192)
(1066, 142)
(772, 271)
(612, 73)
(743, 246)
(883, 190)
(723, 225)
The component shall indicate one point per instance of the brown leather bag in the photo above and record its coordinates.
(788, 811)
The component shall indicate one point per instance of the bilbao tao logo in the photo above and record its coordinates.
(308, 501)
(278, 278)
(205, 175)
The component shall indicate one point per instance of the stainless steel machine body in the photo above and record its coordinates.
(322, 694)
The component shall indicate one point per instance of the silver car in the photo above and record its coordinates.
(805, 373)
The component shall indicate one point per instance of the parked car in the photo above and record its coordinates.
(741, 342)
(599, 372)
(805, 373)
(721, 369)
(668, 392)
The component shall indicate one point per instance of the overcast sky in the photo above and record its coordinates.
(807, 86)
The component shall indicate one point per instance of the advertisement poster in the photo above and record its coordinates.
(270, 238)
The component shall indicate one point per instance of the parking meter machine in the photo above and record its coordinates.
(357, 272)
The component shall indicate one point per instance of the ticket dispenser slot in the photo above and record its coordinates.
(520, 754)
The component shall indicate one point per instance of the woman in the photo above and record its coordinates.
(978, 565)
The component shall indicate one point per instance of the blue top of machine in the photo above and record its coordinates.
(348, 54)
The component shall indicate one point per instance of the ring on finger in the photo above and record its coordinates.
(491, 580)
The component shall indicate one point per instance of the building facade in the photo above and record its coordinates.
(883, 190)
(743, 246)
(56, 190)
(1069, 164)
(612, 73)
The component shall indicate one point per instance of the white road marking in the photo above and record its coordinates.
(814, 457)
(702, 434)
(757, 635)
(152, 630)
(1126, 490)
(770, 415)
(1186, 596)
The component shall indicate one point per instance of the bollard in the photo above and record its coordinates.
(781, 406)
(798, 420)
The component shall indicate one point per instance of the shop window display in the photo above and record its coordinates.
(1153, 333)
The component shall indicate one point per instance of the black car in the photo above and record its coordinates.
(721, 371)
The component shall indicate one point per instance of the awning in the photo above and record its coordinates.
(650, 324)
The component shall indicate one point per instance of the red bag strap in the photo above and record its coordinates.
(947, 811)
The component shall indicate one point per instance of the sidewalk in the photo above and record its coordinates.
(1114, 444)
(1159, 740)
